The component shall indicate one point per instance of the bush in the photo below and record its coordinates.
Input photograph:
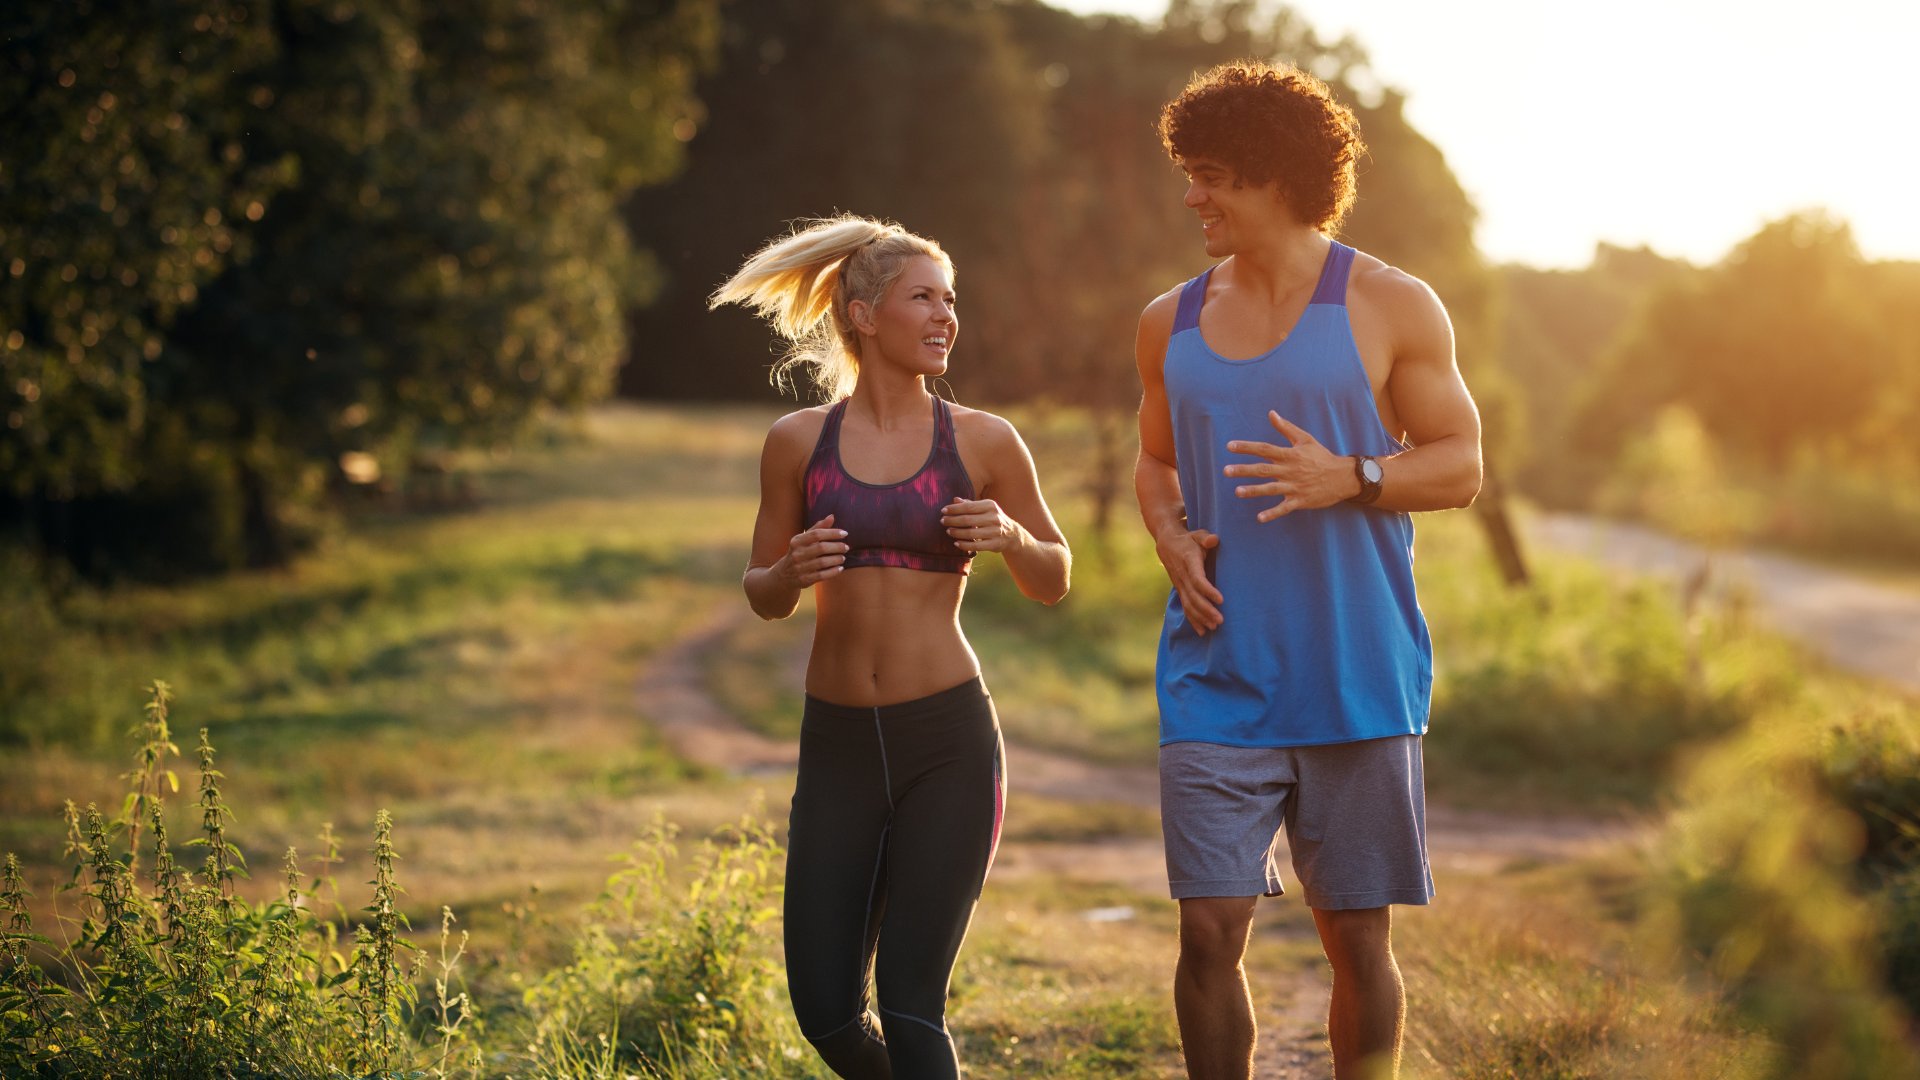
(1583, 689)
(174, 974)
(673, 984)
(1869, 766)
(180, 977)
(1772, 882)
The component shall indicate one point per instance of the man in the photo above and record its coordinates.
(1300, 401)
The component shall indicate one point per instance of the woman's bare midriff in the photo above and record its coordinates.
(884, 635)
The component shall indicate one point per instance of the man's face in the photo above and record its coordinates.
(1231, 211)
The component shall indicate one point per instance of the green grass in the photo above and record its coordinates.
(757, 675)
(474, 673)
(449, 667)
(1546, 972)
(1024, 1006)
(1581, 693)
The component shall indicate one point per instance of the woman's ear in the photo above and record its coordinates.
(860, 314)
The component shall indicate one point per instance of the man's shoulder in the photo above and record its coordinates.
(1381, 284)
(1156, 323)
(1384, 295)
(1161, 308)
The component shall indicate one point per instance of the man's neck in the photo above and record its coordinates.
(1279, 265)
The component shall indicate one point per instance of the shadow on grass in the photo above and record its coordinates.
(283, 729)
(610, 573)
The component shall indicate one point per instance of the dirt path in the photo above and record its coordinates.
(672, 690)
(1858, 624)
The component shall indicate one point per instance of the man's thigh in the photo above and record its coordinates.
(1220, 814)
(1357, 825)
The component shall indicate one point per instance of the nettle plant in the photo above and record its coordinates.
(173, 973)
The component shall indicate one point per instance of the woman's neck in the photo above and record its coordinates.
(890, 402)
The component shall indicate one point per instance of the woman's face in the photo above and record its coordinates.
(915, 324)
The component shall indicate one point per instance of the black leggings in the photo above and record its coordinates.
(896, 815)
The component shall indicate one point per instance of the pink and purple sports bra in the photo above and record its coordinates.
(891, 524)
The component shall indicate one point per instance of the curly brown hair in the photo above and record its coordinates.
(1271, 125)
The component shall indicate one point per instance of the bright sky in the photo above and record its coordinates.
(1682, 124)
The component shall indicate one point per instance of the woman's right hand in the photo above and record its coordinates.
(814, 555)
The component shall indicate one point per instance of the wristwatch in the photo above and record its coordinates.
(1371, 475)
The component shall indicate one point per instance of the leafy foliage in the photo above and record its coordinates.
(1022, 138)
(291, 232)
(673, 981)
(1765, 880)
(1795, 363)
(1774, 348)
(125, 187)
(181, 977)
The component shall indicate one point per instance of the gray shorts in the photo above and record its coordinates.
(1355, 816)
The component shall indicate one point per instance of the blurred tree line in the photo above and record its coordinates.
(1787, 376)
(1023, 139)
(247, 246)
(255, 250)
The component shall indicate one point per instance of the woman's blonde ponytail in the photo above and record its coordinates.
(803, 282)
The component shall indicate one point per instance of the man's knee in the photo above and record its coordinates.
(1357, 940)
(1213, 930)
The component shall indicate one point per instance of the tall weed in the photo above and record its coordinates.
(673, 981)
(181, 977)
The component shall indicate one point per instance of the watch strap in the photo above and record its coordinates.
(1369, 489)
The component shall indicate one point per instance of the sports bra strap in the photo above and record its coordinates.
(830, 431)
(943, 437)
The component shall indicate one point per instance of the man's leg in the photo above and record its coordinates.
(1210, 987)
(1369, 1009)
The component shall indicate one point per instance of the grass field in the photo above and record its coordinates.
(474, 674)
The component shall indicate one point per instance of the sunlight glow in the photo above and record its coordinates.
(1679, 124)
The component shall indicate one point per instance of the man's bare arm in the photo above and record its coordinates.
(1156, 483)
(1439, 472)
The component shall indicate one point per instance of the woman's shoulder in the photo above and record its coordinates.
(982, 424)
(798, 431)
(989, 433)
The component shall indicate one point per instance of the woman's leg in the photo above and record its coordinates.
(945, 828)
(836, 886)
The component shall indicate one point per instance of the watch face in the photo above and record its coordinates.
(1372, 471)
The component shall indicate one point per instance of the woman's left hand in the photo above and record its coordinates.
(980, 525)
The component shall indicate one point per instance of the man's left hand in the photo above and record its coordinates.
(1304, 474)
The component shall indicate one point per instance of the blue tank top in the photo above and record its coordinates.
(1323, 640)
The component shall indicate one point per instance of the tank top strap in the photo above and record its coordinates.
(1332, 288)
(1187, 315)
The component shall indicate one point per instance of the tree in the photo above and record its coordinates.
(439, 258)
(1555, 326)
(1022, 137)
(124, 189)
(1773, 348)
(915, 112)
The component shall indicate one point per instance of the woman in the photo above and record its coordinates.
(881, 499)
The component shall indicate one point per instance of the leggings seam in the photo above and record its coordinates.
(941, 1028)
(886, 774)
(866, 920)
(830, 1034)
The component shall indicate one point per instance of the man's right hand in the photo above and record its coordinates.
(1184, 554)
(814, 555)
